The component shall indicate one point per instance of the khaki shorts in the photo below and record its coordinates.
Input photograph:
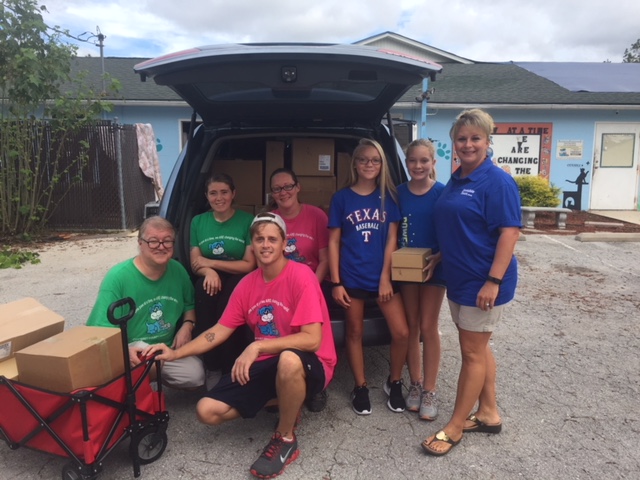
(184, 373)
(473, 319)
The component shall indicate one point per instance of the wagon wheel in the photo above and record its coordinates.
(71, 472)
(150, 444)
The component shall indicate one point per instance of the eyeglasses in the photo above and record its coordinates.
(155, 244)
(367, 161)
(286, 188)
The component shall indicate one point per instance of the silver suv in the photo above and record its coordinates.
(261, 105)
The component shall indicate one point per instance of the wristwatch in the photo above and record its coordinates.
(497, 281)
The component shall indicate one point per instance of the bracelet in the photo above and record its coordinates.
(189, 321)
(335, 284)
(497, 281)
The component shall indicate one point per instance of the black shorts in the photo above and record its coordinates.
(362, 294)
(250, 398)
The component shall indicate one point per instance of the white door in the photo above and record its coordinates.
(615, 167)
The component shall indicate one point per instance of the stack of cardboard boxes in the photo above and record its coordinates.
(36, 350)
(314, 160)
(407, 264)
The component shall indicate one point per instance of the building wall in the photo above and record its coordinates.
(567, 125)
(166, 122)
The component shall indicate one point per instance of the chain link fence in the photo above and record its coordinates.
(110, 191)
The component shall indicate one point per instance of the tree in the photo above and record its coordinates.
(632, 54)
(42, 108)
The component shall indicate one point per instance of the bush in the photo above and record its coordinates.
(537, 192)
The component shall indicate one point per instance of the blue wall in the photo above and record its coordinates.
(166, 126)
(566, 125)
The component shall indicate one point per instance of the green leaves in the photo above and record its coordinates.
(14, 258)
(42, 109)
(537, 192)
(632, 54)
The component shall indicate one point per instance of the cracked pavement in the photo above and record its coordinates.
(568, 382)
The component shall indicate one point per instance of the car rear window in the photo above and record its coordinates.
(347, 91)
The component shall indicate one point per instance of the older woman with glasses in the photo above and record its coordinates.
(307, 234)
(163, 292)
(220, 256)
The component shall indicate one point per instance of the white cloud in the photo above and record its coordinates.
(501, 30)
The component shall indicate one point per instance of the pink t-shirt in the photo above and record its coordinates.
(280, 307)
(307, 233)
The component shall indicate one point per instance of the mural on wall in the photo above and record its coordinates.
(573, 150)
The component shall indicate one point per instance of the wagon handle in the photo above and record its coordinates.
(123, 302)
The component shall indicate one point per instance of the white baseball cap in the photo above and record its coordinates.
(272, 218)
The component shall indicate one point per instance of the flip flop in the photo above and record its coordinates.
(441, 436)
(480, 427)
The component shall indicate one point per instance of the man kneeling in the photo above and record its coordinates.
(293, 356)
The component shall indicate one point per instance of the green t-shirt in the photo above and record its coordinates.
(221, 240)
(159, 303)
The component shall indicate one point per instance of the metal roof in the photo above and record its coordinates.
(589, 77)
(510, 84)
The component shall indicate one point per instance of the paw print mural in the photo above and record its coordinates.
(443, 150)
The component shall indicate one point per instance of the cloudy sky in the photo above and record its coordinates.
(495, 30)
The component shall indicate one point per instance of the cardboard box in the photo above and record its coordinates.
(247, 177)
(343, 169)
(76, 358)
(246, 208)
(316, 190)
(25, 322)
(274, 159)
(9, 369)
(313, 156)
(408, 257)
(400, 274)
(407, 264)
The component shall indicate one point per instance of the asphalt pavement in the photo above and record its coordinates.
(568, 383)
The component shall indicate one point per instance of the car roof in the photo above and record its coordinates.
(289, 83)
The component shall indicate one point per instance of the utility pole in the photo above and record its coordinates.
(101, 38)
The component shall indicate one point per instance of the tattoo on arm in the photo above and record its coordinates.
(210, 337)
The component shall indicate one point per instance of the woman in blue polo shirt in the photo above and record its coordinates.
(477, 221)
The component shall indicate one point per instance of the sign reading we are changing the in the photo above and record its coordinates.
(522, 148)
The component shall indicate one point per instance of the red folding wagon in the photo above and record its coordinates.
(87, 424)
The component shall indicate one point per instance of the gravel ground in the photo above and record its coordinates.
(568, 381)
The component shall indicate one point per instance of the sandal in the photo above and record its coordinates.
(441, 436)
(480, 427)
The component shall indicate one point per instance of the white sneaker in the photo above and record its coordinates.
(428, 406)
(414, 397)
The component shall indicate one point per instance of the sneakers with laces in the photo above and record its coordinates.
(276, 455)
(360, 400)
(428, 406)
(413, 399)
(396, 401)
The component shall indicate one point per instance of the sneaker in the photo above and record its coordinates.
(360, 400)
(413, 399)
(396, 401)
(276, 455)
(317, 402)
(428, 406)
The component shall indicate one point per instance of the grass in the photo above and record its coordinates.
(15, 258)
